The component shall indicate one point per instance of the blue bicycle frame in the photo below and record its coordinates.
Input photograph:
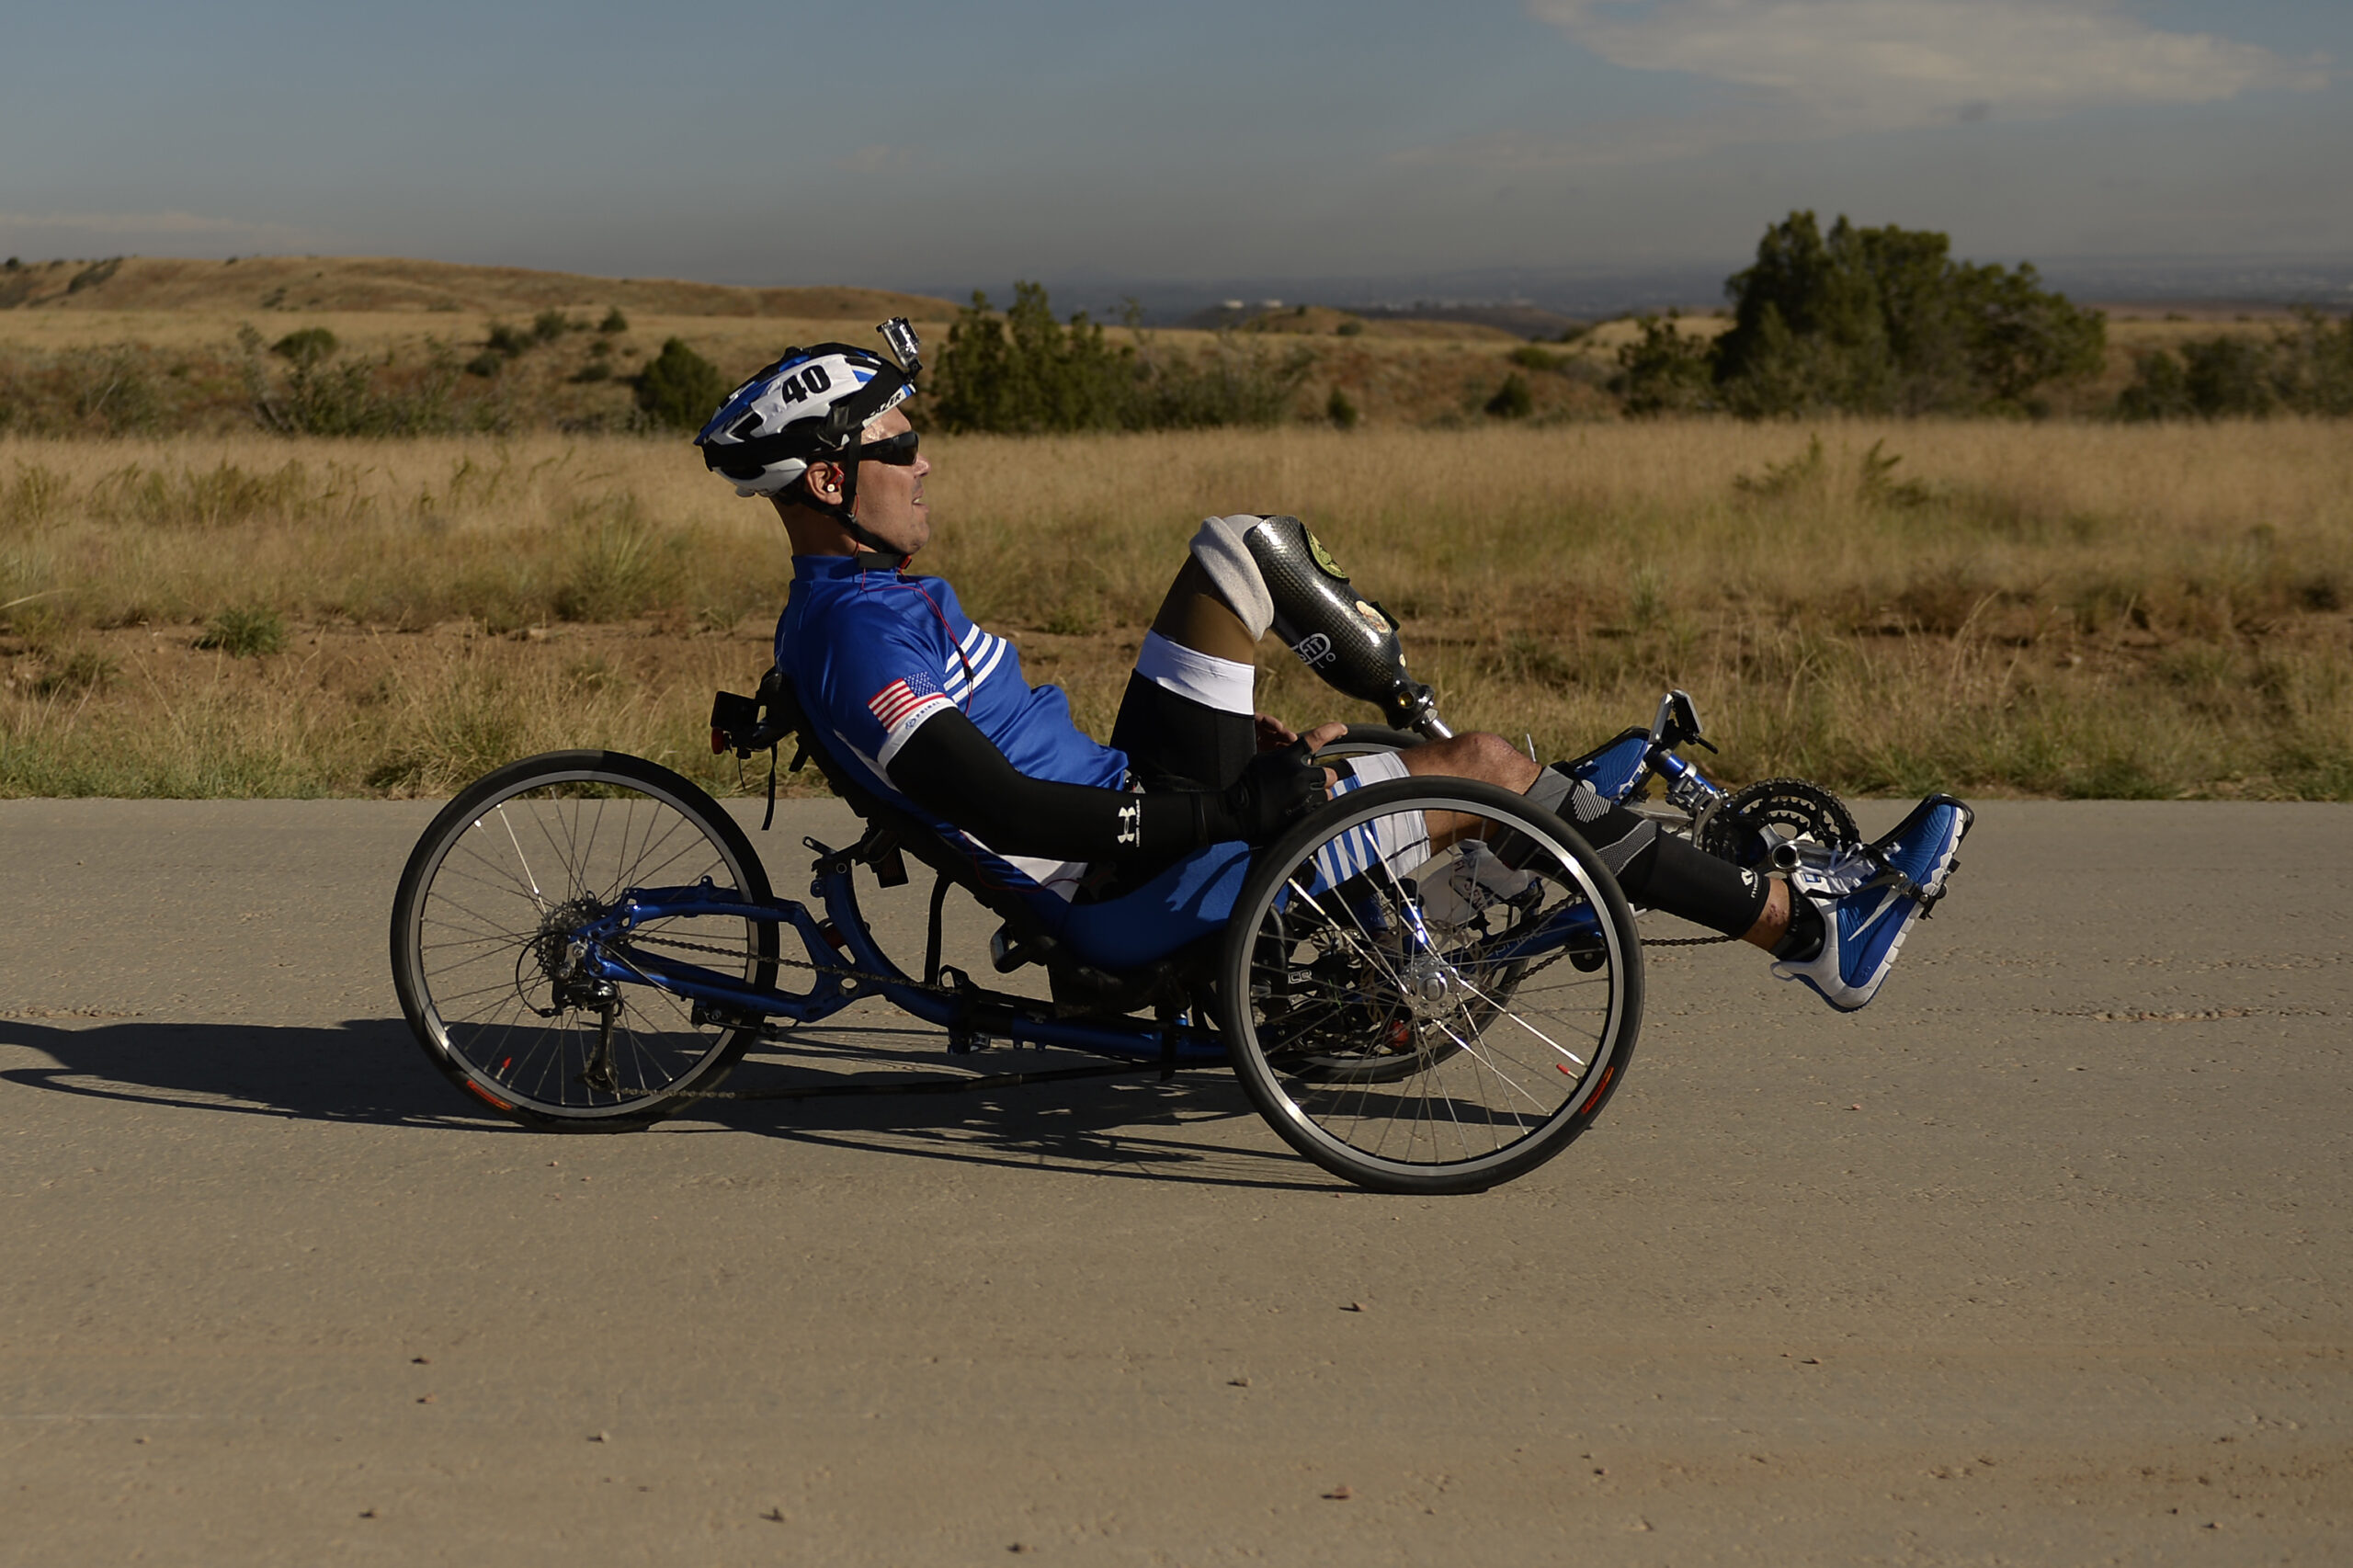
(1621, 768)
(851, 966)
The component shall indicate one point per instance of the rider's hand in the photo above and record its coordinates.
(1274, 790)
(1273, 734)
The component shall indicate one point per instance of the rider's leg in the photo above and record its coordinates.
(1185, 720)
(1663, 872)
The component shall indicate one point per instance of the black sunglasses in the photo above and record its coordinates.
(898, 450)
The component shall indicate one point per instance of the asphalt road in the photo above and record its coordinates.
(2042, 1258)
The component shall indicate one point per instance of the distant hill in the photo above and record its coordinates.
(1519, 321)
(1456, 322)
(388, 283)
(1324, 321)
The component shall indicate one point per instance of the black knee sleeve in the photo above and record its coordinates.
(1175, 743)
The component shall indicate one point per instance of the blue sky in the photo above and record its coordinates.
(921, 143)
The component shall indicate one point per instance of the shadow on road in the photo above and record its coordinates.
(368, 1070)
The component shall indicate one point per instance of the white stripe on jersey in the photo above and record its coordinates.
(982, 652)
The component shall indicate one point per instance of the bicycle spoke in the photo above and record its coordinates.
(503, 949)
(1394, 1012)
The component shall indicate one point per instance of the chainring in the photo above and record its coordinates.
(1794, 808)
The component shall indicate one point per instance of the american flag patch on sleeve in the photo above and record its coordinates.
(902, 697)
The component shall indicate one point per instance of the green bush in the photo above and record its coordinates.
(1341, 410)
(1236, 382)
(113, 387)
(95, 274)
(679, 388)
(2306, 369)
(507, 340)
(84, 669)
(2314, 364)
(307, 346)
(1665, 372)
(1025, 373)
(550, 325)
(245, 633)
(614, 322)
(1512, 400)
(322, 397)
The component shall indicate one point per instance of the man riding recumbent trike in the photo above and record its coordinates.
(1413, 948)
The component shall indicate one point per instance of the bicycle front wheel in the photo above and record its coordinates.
(1430, 985)
(482, 930)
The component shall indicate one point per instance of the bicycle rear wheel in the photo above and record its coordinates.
(1417, 1013)
(481, 934)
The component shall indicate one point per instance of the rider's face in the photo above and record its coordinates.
(889, 499)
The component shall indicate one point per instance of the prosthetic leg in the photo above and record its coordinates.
(1272, 571)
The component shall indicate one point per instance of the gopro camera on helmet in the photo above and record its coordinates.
(900, 334)
(1349, 640)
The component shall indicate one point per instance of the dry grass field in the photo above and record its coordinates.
(148, 345)
(2037, 609)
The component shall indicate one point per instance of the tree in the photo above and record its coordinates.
(678, 387)
(1025, 373)
(1883, 321)
(1663, 372)
(2021, 334)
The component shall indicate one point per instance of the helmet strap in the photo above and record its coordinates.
(845, 511)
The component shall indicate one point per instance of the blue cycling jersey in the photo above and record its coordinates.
(873, 654)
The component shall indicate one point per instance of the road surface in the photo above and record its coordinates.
(2042, 1258)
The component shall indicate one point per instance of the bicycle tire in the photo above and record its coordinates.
(477, 940)
(1504, 1074)
(1367, 740)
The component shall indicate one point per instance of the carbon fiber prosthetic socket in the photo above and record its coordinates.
(1348, 641)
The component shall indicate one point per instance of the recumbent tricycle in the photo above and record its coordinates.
(586, 941)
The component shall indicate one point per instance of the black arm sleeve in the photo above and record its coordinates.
(950, 768)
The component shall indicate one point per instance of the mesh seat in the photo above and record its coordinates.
(1114, 949)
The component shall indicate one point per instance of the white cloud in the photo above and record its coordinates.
(1806, 69)
(1865, 64)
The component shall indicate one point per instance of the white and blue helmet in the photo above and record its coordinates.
(810, 405)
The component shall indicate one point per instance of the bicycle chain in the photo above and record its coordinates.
(684, 946)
